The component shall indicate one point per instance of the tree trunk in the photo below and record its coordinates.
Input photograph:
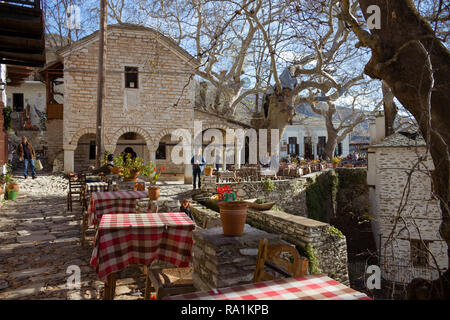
(390, 109)
(331, 144)
(400, 54)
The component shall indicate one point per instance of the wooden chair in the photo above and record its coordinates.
(168, 281)
(270, 256)
(77, 187)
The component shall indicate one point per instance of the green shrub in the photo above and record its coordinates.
(269, 185)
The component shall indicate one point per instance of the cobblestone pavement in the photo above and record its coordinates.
(39, 240)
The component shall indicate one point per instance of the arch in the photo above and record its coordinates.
(161, 134)
(216, 125)
(77, 135)
(147, 137)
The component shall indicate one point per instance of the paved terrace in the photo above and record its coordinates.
(39, 240)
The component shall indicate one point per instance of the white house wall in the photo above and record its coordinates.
(301, 131)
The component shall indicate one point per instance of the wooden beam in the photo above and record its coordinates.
(23, 56)
(21, 43)
(101, 81)
(21, 63)
(14, 9)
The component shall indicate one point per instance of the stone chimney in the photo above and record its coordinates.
(380, 124)
(372, 131)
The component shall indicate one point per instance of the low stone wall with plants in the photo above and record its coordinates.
(289, 195)
(322, 244)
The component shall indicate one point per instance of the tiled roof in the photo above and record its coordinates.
(400, 140)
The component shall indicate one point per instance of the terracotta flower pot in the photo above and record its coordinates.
(115, 170)
(233, 215)
(133, 176)
(335, 165)
(154, 192)
(208, 172)
(12, 186)
(1, 190)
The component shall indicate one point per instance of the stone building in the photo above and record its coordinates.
(149, 94)
(416, 249)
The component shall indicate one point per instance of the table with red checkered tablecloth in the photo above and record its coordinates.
(101, 203)
(309, 287)
(123, 239)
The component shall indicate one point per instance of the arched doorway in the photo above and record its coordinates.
(163, 157)
(84, 155)
(136, 142)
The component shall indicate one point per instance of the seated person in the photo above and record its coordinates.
(186, 208)
(105, 168)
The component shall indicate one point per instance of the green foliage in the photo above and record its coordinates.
(335, 231)
(7, 178)
(208, 166)
(351, 178)
(313, 260)
(276, 208)
(321, 196)
(130, 166)
(269, 185)
(7, 118)
(363, 218)
(259, 201)
(105, 156)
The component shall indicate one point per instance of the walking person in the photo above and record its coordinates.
(27, 154)
(198, 164)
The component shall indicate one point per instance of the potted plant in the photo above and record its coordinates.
(336, 161)
(131, 168)
(233, 215)
(153, 174)
(11, 187)
(208, 170)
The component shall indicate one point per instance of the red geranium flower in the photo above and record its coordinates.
(163, 168)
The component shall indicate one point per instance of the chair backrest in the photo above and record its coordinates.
(270, 256)
(77, 181)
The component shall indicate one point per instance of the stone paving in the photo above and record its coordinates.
(40, 239)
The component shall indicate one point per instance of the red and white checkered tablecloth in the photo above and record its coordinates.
(96, 187)
(109, 202)
(123, 239)
(310, 287)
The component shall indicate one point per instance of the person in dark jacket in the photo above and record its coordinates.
(27, 154)
(198, 164)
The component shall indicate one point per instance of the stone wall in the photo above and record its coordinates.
(421, 215)
(326, 249)
(220, 261)
(289, 195)
(54, 138)
(147, 110)
(313, 238)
